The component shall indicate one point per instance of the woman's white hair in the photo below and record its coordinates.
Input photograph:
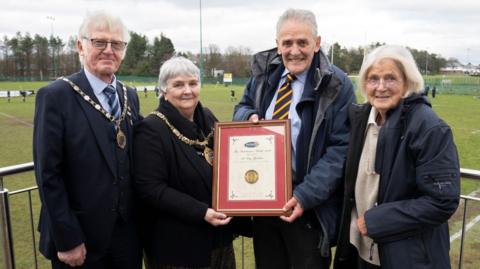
(174, 67)
(404, 61)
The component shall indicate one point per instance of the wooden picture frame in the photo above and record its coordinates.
(252, 168)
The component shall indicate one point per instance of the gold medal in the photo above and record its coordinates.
(121, 139)
(251, 176)
(208, 154)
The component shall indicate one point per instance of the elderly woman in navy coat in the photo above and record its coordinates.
(173, 177)
(402, 172)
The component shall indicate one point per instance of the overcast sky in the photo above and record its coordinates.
(449, 28)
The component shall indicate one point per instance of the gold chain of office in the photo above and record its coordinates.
(121, 139)
(179, 135)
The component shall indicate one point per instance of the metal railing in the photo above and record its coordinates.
(7, 260)
(7, 257)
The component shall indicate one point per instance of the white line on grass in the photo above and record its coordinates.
(16, 119)
(469, 225)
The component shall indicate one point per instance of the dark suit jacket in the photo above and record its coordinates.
(76, 167)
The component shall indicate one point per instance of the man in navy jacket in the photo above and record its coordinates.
(81, 149)
(321, 94)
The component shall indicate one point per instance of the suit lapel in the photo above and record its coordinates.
(128, 121)
(102, 129)
(199, 165)
(120, 94)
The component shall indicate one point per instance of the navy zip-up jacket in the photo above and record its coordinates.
(323, 139)
(419, 187)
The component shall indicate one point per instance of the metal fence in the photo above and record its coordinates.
(7, 256)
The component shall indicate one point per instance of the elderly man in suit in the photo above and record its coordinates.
(82, 149)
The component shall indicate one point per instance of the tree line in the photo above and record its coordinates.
(350, 60)
(26, 57)
(23, 57)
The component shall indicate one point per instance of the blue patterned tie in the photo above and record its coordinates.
(109, 91)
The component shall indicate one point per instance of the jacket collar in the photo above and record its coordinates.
(198, 129)
(269, 60)
(398, 114)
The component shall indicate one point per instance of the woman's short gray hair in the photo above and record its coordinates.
(299, 15)
(404, 61)
(174, 67)
(100, 20)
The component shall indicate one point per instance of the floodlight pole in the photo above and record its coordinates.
(201, 46)
(331, 57)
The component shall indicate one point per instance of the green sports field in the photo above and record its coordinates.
(461, 112)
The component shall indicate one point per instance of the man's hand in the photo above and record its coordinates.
(215, 218)
(73, 257)
(297, 210)
(362, 226)
(254, 118)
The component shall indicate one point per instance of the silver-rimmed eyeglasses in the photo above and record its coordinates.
(101, 44)
(387, 82)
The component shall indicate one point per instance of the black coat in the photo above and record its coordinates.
(418, 192)
(76, 168)
(175, 183)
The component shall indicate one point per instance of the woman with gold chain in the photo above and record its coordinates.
(173, 177)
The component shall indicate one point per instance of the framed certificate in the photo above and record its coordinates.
(252, 168)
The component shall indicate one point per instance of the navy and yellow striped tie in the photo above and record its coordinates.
(284, 98)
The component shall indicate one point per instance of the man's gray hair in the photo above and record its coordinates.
(100, 20)
(404, 61)
(174, 67)
(299, 15)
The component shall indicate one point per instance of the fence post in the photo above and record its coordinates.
(464, 226)
(6, 241)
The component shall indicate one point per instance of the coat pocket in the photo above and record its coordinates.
(411, 252)
(418, 250)
(442, 184)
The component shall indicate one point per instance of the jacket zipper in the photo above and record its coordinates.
(371, 251)
(441, 180)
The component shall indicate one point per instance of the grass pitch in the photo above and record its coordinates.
(461, 112)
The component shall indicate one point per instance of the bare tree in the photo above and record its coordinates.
(213, 59)
(237, 61)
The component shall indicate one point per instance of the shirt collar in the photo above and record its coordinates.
(372, 116)
(97, 84)
(300, 77)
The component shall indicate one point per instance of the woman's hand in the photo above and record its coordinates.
(362, 226)
(215, 218)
